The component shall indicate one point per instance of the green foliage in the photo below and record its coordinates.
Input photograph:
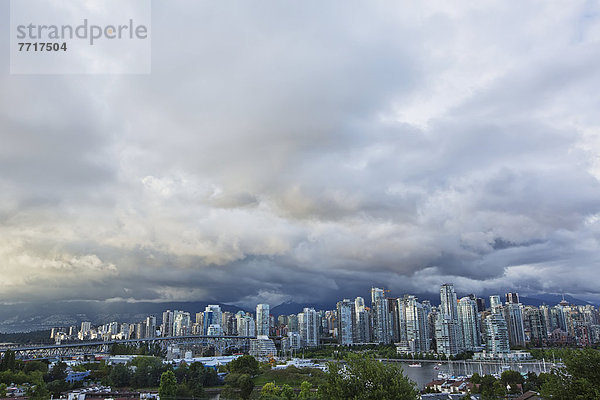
(305, 391)
(8, 362)
(579, 380)
(244, 365)
(35, 337)
(246, 386)
(512, 378)
(287, 392)
(3, 388)
(270, 391)
(291, 376)
(120, 375)
(168, 386)
(57, 387)
(31, 366)
(367, 378)
(57, 372)
(490, 388)
(148, 371)
(38, 392)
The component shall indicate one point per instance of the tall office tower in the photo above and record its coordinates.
(167, 323)
(151, 326)
(415, 321)
(427, 305)
(228, 323)
(469, 321)
(497, 334)
(124, 331)
(113, 328)
(381, 317)
(495, 303)
(512, 298)
(448, 304)
(513, 316)
(212, 316)
(361, 318)
(293, 323)
(533, 321)
(282, 320)
(359, 304)
(309, 327)
(431, 322)
(345, 321)
(480, 304)
(199, 318)
(86, 326)
(262, 320)
(558, 317)
(449, 316)
(246, 326)
(402, 335)
(140, 330)
(546, 318)
(394, 310)
(182, 323)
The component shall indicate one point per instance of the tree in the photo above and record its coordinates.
(57, 372)
(305, 391)
(120, 375)
(365, 379)
(246, 385)
(168, 386)
(287, 392)
(3, 388)
(244, 365)
(579, 380)
(512, 379)
(270, 391)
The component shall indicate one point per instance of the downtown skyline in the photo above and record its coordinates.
(306, 152)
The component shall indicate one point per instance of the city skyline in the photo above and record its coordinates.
(305, 152)
(457, 325)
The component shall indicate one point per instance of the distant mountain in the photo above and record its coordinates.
(30, 317)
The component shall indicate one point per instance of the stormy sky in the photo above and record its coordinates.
(305, 151)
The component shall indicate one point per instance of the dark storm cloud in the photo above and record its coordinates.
(307, 151)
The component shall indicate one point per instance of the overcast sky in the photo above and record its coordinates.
(306, 151)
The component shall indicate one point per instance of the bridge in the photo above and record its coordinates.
(219, 343)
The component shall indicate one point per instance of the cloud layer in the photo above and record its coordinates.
(308, 151)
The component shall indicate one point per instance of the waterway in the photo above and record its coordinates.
(427, 372)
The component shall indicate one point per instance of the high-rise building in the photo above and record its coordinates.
(212, 316)
(414, 316)
(381, 316)
(512, 298)
(309, 327)
(495, 303)
(513, 315)
(182, 324)
(293, 323)
(469, 321)
(497, 334)
(362, 331)
(447, 326)
(533, 321)
(151, 326)
(228, 323)
(345, 321)
(262, 320)
(167, 323)
(86, 326)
